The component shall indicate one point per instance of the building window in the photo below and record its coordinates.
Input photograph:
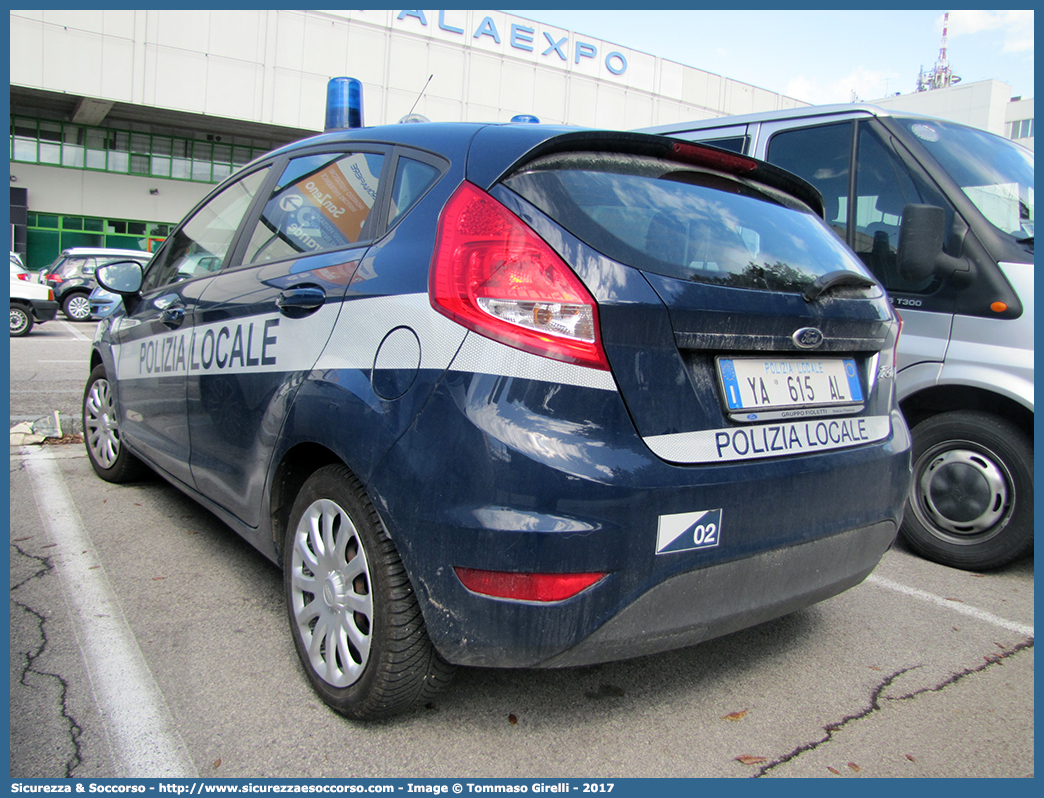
(125, 152)
(49, 234)
(1022, 129)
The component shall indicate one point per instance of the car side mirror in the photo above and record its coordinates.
(121, 277)
(920, 251)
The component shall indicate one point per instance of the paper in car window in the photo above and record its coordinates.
(327, 208)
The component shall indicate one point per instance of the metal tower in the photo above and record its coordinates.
(940, 76)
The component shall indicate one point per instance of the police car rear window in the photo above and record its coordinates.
(664, 218)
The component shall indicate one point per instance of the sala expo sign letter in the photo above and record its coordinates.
(522, 37)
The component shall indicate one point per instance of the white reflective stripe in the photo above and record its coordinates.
(483, 355)
(769, 440)
(268, 342)
(365, 323)
(272, 342)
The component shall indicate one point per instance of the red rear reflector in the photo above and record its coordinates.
(701, 156)
(525, 587)
(492, 273)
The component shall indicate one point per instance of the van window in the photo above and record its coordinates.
(677, 221)
(731, 143)
(994, 173)
(821, 155)
(884, 186)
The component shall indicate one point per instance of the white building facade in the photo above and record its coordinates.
(121, 120)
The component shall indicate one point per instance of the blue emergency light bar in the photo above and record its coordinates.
(343, 104)
(528, 118)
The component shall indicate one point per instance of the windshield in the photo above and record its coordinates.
(996, 174)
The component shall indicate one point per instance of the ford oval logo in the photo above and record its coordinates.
(808, 337)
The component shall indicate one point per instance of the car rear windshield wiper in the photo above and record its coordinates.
(833, 279)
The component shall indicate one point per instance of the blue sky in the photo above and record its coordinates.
(821, 56)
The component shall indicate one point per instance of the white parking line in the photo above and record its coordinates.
(79, 336)
(141, 732)
(963, 609)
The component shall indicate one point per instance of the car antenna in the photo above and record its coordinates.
(421, 92)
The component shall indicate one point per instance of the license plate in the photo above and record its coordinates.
(752, 386)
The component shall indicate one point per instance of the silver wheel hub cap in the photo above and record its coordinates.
(964, 492)
(100, 426)
(330, 593)
(79, 307)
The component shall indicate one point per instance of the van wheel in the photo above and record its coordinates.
(21, 321)
(971, 501)
(101, 433)
(353, 613)
(77, 307)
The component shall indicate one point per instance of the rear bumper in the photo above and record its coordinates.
(44, 309)
(720, 599)
(537, 478)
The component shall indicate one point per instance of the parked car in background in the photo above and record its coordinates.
(18, 271)
(71, 276)
(103, 302)
(31, 303)
(511, 396)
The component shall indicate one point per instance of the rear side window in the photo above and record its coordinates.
(412, 179)
(321, 202)
(669, 219)
(74, 267)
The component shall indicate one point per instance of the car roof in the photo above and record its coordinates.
(492, 150)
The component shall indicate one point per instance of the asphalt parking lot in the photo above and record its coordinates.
(147, 639)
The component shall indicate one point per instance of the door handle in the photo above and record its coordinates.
(300, 301)
(173, 316)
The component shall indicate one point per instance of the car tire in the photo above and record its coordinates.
(354, 616)
(101, 433)
(77, 307)
(21, 321)
(971, 500)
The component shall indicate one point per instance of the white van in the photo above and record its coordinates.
(942, 214)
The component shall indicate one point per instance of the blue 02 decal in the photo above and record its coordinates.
(687, 531)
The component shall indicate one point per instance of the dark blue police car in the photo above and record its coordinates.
(511, 396)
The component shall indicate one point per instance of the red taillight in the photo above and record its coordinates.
(525, 587)
(23, 276)
(492, 273)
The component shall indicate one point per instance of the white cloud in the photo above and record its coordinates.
(865, 84)
(1015, 26)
